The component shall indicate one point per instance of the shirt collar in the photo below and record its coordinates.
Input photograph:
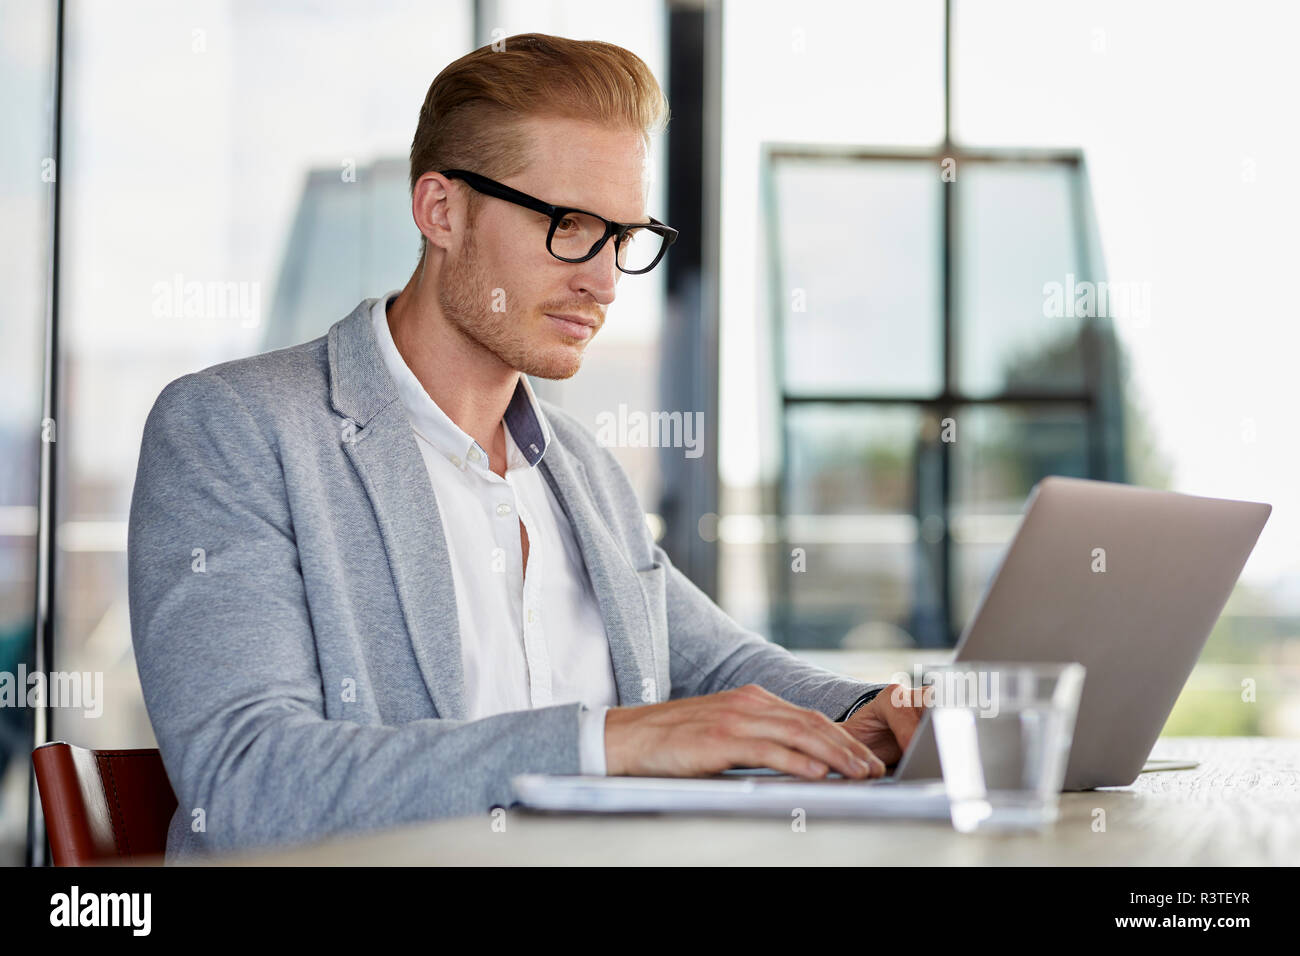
(528, 433)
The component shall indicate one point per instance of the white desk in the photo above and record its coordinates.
(1241, 806)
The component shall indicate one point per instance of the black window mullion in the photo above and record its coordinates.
(946, 406)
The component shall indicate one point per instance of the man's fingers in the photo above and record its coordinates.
(763, 702)
(837, 731)
(744, 726)
(817, 721)
(841, 734)
(902, 721)
(797, 733)
(761, 752)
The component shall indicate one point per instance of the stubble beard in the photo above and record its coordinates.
(466, 297)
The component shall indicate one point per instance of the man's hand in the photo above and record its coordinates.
(887, 723)
(745, 727)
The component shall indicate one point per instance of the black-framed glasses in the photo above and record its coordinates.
(577, 235)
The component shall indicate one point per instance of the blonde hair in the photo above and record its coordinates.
(470, 117)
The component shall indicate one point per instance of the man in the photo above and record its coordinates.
(372, 577)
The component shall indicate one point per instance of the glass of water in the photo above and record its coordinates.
(1003, 732)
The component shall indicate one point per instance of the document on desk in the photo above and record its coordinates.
(741, 794)
(1153, 765)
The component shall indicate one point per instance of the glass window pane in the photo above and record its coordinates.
(858, 292)
(850, 459)
(26, 190)
(1016, 232)
(999, 455)
(350, 239)
(862, 578)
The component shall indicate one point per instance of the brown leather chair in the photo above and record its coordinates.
(103, 805)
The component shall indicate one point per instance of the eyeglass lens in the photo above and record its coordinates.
(576, 234)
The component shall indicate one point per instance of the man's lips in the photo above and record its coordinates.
(570, 317)
(578, 326)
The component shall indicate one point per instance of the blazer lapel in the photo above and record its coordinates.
(618, 589)
(382, 448)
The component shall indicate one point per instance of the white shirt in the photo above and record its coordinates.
(527, 640)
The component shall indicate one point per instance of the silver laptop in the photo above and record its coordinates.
(1170, 560)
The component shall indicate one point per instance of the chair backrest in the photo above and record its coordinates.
(103, 805)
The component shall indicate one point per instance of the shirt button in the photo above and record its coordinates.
(531, 617)
(503, 509)
(455, 460)
(474, 455)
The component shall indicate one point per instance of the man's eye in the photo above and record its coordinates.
(566, 224)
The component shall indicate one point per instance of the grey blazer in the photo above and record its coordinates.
(294, 619)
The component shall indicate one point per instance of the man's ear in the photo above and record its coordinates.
(438, 210)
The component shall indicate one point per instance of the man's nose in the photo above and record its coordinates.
(599, 275)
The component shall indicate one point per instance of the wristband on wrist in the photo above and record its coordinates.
(862, 701)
